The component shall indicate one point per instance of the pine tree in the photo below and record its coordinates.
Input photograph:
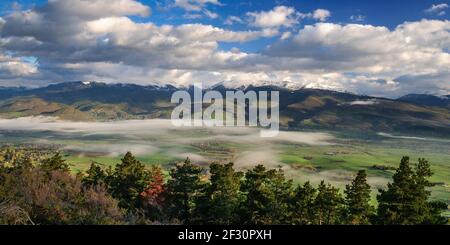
(435, 216)
(302, 205)
(357, 200)
(55, 163)
(222, 197)
(328, 205)
(406, 200)
(282, 193)
(267, 197)
(422, 173)
(396, 204)
(183, 188)
(94, 176)
(128, 180)
(255, 208)
(429, 211)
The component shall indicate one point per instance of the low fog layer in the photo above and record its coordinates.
(111, 150)
(139, 129)
(148, 137)
(412, 138)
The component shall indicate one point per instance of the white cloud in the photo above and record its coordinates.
(233, 19)
(93, 9)
(11, 67)
(321, 14)
(374, 54)
(286, 35)
(210, 14)
(364, 102)
(195, 5)
(318, 15)
(110, 46)
(358, 18)
(196, 9)
(277, 17)
(116, 39)
(437, 9)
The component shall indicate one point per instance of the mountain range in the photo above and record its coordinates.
(416, 114)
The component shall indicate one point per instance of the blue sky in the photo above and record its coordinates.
(374, 47)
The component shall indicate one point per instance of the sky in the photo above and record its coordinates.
(379, 48)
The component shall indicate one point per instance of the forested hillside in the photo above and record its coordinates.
(39, 189)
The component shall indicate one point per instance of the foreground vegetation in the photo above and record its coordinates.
(43, 191)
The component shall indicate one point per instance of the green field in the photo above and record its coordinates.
(335, 164)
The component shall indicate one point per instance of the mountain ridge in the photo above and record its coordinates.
(299, 109)
(221, 85)
(427, 99)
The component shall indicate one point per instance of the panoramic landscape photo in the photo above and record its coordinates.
(220, 112)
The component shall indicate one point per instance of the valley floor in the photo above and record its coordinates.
(304, 156)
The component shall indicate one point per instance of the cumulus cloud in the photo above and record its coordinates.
(117, 39)
(94, 9)
(99, 40)
(283, 17)
(11, 67)
(318, 15)
(277, 17)
(416, 48)
(321, 14)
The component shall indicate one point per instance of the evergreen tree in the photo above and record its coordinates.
(222, 198)
(128, 180)
(55, 163)
(405, 202)
(357, 200)
(302, 205)
(94, 176)
(395, 205)
(421, 192)
(282, 192)
(435, 216)
(429, 211)
(267, 197)
(328, 205)
(183, 188)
